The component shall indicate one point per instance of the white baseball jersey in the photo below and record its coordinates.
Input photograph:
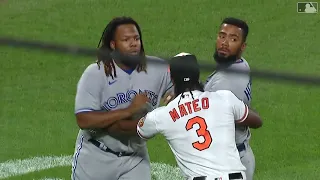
(200, 130)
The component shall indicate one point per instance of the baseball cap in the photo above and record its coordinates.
(184, 68)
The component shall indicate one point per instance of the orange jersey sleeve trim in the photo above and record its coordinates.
(141, 136)
(245, 115)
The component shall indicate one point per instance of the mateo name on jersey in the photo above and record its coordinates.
(122, 98)
(188, 108)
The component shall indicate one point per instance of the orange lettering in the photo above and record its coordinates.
(202, 131)
(174, 115)
(205, 103)
(195, 105)
(183, 111)
(188, 104)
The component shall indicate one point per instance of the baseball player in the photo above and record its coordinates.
(110, 92)
(230, 44)
(199, 126)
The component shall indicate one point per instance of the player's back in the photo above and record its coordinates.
(201, 133)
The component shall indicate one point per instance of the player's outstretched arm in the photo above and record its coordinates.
(147, 126)
(253, 120)
(242, 114)
(100, 119)
(128, 127)
(123, 128)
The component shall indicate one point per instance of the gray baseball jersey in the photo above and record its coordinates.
(96, 91)
(239, 84)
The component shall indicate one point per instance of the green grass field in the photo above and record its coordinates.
(38, 89)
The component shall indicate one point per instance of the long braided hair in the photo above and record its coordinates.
(107, 36)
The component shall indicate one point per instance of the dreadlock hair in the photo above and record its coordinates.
(180, 88)
(107, 36)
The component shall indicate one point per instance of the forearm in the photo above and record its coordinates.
(123, 128)
(128, 126)
(253, 120)
(100, 119)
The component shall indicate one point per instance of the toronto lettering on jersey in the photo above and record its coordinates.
(122, 98)
(188, 108)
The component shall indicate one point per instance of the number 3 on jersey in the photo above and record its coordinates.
(201, 132)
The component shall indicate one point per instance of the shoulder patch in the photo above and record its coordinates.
(239, 61)
(141, 121)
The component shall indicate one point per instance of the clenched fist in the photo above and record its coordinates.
(138, 102)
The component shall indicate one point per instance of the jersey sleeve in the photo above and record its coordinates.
(168, 82)
(239, 109)
(88, 90)
(239, 85)
(147, 127)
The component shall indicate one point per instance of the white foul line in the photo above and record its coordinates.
(18, 167)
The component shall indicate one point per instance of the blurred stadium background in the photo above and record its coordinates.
(38, 88)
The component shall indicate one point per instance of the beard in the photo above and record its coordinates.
(225, 60)
(129, 60)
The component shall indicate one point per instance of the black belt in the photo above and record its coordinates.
(106, 149)
(241, 147)
(231, 176)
